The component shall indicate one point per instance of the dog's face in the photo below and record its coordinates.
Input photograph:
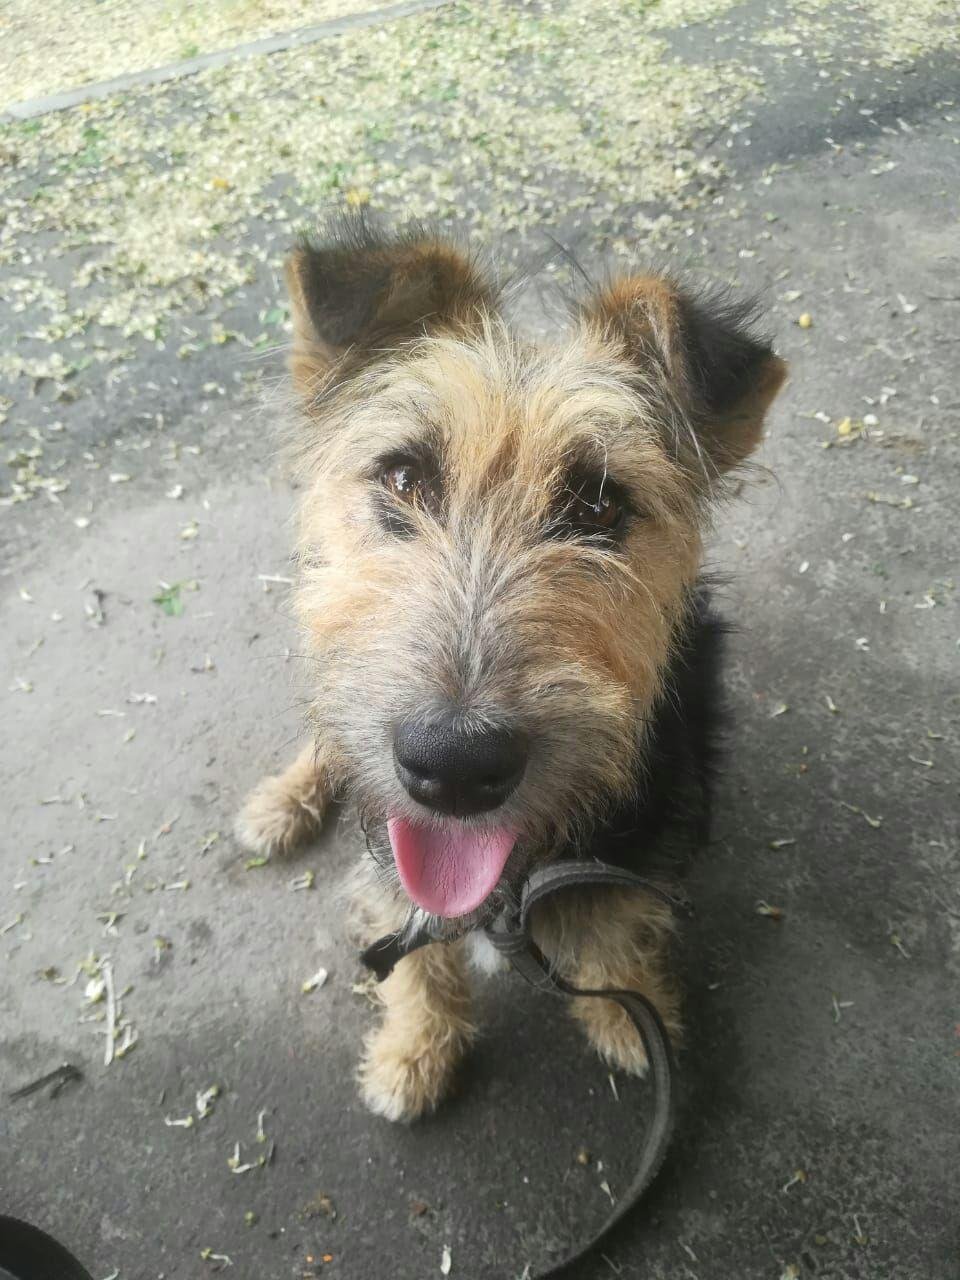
(497, 545)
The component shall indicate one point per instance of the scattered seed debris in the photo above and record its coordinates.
(18, 919)
(187, 1122)
(883, 499)
(235, 1165)
(897, 941)
(110, 919)
(314, 983)
(205, 1099)
(765, 909)
(783, 843)
(839, 1006)
(873, 822)
(220, 1259)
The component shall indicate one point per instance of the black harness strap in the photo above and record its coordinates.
(510, 934)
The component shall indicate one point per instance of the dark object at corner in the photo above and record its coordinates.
(27, 1253)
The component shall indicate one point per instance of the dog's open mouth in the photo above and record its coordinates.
(449, 870)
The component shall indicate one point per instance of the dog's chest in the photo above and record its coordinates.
(484, 957)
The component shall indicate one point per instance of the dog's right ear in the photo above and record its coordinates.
(360, 292)
(724, 374)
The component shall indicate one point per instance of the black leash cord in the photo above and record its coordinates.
(510, 935)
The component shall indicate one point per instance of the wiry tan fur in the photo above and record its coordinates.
(481, 609)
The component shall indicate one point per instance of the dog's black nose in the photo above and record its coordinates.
(455, 766)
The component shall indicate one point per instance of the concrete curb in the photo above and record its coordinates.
(190, 66)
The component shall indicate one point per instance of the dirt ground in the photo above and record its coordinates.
(810, 155)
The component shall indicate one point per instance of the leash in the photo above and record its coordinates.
(510, 933)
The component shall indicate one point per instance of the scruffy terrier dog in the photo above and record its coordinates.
(498, 578)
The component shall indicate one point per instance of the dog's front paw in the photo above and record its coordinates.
(403, 1077)
(277, 816)
(613, 1035)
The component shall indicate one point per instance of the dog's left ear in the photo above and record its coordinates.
(724, 376)
(359, 291)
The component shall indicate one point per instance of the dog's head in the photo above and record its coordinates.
(498, 542)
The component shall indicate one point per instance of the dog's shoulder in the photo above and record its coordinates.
(681, 752)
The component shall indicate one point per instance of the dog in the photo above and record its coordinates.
(514, 658)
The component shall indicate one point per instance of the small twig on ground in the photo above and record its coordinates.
(107, 970)
(58, 1078)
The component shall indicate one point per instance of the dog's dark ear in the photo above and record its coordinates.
(725, 376)
(359, 292)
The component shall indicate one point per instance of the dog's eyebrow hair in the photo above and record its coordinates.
(587, 460)
(408, 406)
(427, 451)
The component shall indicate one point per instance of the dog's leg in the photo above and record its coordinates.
(285, 809)
(612, 938)
(410, 1059)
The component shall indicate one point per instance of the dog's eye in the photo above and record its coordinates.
(409, 483)
(594, 507)
(596, 511)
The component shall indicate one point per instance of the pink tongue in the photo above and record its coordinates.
(449, 871)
